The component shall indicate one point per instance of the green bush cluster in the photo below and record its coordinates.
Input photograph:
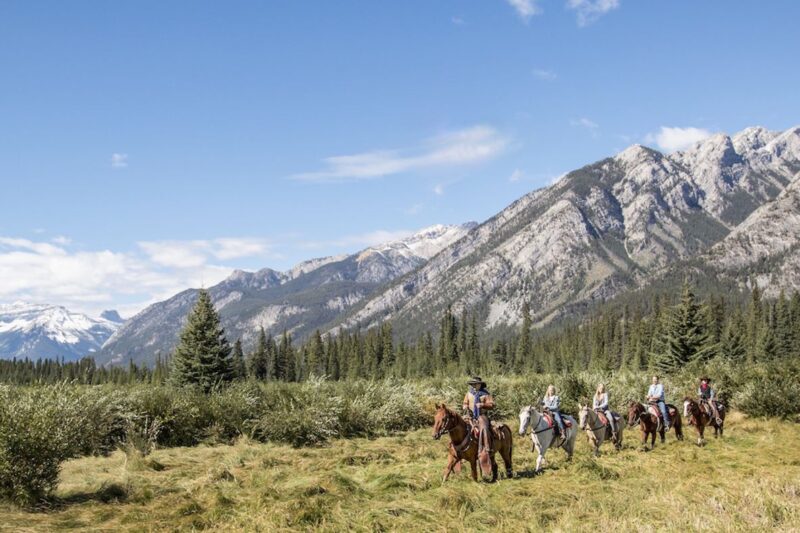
(42, 426)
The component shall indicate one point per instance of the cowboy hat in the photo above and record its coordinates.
(476, 380)
(706, 379)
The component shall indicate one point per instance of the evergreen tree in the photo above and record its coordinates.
(239, 369)
(685, 337)
(259, 360)
(524, 342)
(203, 355)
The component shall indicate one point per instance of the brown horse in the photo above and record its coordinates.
(650, 423)
(464, 445)
(698, 418)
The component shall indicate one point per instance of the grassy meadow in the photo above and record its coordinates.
(749, 480)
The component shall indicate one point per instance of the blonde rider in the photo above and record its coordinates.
(600, 403)
(553, 404)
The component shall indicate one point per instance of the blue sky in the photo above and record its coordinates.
(146, 147)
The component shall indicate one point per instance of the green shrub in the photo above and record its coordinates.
(772, 390)
(41, 427)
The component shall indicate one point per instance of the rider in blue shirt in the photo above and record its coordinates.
(655, 394)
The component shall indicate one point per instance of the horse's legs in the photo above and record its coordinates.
(473, 464)
(663, 435)
(644, 438)
(678, 430)
(494, 469)
(700, 430)
(451, 463)
(539, 461)
(653, 439)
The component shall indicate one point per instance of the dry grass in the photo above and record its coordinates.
(750, 480)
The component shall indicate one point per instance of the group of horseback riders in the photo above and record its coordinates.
(478, 401)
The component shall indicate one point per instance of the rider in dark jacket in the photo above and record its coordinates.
(706, 394)
(477, 401)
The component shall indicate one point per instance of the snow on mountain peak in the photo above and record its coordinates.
(42, 330)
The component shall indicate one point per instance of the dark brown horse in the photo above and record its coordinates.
(464, 445)
(698, 418)
(650, 423)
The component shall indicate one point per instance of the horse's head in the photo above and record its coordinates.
(583, 415)
(524, 418)
(688, 407)
(442, 421)
(635, 410)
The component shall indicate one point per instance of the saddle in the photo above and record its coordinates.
(602, 416)
(654, 410)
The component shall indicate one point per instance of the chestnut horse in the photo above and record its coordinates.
(698, 418)
(650, 424)
(464, 445)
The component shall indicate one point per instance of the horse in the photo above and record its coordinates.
(596, 431)
(464, 445)
(651, 423)
(543, 434)
(698, 418)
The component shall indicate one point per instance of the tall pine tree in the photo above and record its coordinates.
(203, 355)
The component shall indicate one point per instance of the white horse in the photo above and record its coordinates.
(544, 437)
(596, 431)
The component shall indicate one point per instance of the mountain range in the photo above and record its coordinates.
(728, 207)
(39, 331)
(311, 295)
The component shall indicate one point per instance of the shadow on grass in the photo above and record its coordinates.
(107, 493)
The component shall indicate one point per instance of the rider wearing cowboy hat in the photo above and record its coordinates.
(477, 401)
(706, 394)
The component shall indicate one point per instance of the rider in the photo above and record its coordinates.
(477, 401)
(706, 394)
(553, 404)
(601, 404)
(655, 394)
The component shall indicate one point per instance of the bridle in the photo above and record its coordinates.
(445, 427)
(585, 424)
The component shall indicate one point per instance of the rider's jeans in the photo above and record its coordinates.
(663, 407)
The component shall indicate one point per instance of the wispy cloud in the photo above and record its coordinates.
(194, 253)
(674, 139)
(414, 209)
(588, 11)
(584, 122)
(525, 8)
(516, 176)
(58, 272)
(119, 160)
(468, 146)
(359, 241)
(544, 74)
(438, 189)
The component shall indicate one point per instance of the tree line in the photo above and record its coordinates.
(662, 333)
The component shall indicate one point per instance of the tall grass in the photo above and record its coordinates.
(747, 481)
(40, 427)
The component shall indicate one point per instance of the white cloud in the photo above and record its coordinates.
(584, 123)
(674, 139)
(515, 176)
(525, 8)
(468, 146)
(544, 74)
(415, 209)
(188, 254)
(61, 240)
(361, 240)
(92, 280)
(119, 160)
(588, 11)
(438, 189)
